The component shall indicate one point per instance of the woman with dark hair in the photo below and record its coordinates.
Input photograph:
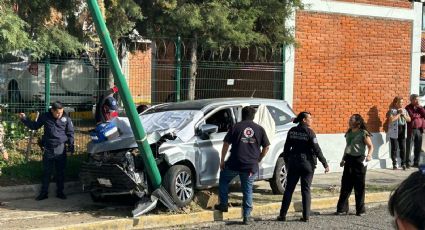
(354, 162)
(407, 202)
(397, 120)
(300, 154)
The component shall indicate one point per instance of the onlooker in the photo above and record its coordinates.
(58, 131)
(246, 138)
(407, 202)
(107, 106)
(414, 129)
(354, 162)
(300, 152)
(2, 148)
(398, 118)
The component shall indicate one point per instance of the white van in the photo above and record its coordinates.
(72, 81)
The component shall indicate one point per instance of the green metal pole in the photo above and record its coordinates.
(47, 83)
(178, 67)
(130, 108)
(283, 70)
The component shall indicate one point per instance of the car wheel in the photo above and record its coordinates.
(278, 182)
(14, 96)
(178, 181)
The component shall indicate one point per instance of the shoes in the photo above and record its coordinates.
(281, 218)
(404, 167)
(61, 196)
(221, 208)
(304, 219)
(360, 213)
(340, 213)
(408, 166)
(248, 220)
(415, 165)
(42, 196)
(394, 167)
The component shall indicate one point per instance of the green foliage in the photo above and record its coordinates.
(13, 35)
(121, 17)
(219, 23)
(14, 130)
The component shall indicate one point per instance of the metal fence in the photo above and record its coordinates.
(157, 71)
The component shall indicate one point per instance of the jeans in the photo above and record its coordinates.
(416, 137)
(247, 180)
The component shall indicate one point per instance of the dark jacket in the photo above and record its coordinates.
(56, 131)
(302, 140)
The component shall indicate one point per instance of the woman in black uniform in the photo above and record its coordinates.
(300, 153)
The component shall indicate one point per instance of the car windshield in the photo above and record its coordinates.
(167, 120)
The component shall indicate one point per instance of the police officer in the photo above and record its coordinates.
(107, 106)
(58, 131)
(300, 153)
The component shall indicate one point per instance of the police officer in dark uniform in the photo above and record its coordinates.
(300, 153)
(58, 131)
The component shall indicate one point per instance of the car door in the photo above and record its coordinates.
(208, 162)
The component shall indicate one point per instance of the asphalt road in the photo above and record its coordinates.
(376, 218)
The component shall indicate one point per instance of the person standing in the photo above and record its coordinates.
(246, 139)
(398, 118)
(107, 106)
(2, 148)
(300, 153)
(354, 162)
(58, 132)
(414, 129)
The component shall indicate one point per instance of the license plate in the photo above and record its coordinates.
(104, 182)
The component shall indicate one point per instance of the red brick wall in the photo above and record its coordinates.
(347, 65)
(140, 76)
(393, 3)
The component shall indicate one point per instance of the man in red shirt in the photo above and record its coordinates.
(414, 129)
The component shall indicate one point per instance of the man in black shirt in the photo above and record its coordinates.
(58, 131)
(246, 138)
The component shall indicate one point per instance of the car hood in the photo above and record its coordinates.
(179, 123)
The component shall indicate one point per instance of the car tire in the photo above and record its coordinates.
(179, 183)
(278, 182)
(14, 97)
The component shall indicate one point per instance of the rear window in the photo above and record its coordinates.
(422, 88)
(279, 117)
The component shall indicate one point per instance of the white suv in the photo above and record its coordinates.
(73, 81)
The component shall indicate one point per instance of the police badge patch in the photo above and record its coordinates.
(63, 119)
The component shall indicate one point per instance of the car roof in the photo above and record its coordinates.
(206, 104)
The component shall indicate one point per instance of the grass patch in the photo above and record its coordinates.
(17, 171)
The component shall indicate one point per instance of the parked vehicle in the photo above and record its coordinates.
(72, 81)
(422, 92)
(186, 139)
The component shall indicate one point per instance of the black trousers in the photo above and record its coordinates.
(298, 168)
(354, 175)
(416, 138)
(53, 159)
(398, 144)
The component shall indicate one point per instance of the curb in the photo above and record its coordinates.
(161, 221)
(31, 191)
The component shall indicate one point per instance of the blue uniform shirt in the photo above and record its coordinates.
(56, 131)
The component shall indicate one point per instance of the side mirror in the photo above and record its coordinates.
(207, 129)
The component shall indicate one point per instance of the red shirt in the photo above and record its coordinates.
(417, 114)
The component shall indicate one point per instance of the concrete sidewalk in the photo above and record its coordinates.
(79, 212)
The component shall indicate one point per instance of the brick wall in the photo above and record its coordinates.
(347, 65)
(392, 3)
(140, 76)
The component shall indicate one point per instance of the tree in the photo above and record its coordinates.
(220, 23)
(13, 35)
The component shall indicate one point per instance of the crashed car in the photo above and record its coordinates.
(186, 140)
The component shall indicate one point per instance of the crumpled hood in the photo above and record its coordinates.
(179, 123)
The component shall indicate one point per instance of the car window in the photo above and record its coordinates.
(222, 118)
(279, 117)
(422, 88)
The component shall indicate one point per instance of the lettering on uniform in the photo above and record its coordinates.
(299, 136)
(248, 134)
(315, 141)
(63, 119)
